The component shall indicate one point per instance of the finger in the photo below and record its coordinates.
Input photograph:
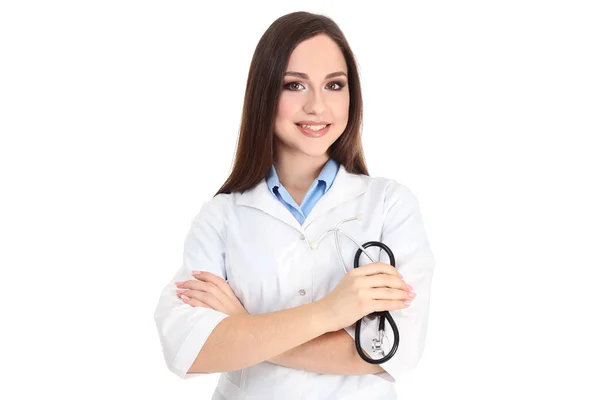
(225, 294)
(215, 280)
(202, 286)
(384, 280)
(389, 294)
(204, 297)
(209, 294)
(193, 302)
(389, 305)
(375, 268)
(220, 293)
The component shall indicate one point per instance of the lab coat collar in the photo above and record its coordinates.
(327, 176)
(346, 186)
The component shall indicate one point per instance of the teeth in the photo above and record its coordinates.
(313, 127)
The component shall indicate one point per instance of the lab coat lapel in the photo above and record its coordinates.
(261, 198)
(345, 187)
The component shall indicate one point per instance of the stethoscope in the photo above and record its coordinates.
(383, 315)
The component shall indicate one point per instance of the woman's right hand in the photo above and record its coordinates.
(369, 288)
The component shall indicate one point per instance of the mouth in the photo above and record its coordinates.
(313, 131)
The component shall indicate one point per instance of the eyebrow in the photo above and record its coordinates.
(305, 76)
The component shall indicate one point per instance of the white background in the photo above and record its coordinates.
(118, 119)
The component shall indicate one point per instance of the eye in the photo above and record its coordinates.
(339, 84)
(292, 85)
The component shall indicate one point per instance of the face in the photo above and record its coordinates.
(314, 91)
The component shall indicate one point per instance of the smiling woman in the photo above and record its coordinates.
(303, 75)
(260, 296)
(316, 93)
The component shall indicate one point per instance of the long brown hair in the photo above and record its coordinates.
(254, 154)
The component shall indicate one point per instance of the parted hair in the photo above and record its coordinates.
(254, 154)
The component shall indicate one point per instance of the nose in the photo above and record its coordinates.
(315, 103)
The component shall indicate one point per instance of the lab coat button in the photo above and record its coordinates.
(302, 237)
(302, 292)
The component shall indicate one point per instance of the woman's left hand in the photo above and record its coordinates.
(210, 291)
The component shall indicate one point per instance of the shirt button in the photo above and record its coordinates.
(302, 237)
(302, 292)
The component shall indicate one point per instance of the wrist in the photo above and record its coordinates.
(322, 317)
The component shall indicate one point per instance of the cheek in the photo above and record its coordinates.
(286, 112)
(340, 109)
(286, 107)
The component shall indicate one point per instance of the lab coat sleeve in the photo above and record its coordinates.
(184, 329)
(404, 233)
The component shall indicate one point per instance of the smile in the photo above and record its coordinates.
(313, 130)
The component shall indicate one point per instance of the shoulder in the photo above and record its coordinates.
(214, 211)
(391, 191)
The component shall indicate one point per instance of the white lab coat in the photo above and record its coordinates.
(265, 254)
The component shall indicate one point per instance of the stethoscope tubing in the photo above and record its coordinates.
(383, 315)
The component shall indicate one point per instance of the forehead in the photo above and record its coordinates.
(317, 57)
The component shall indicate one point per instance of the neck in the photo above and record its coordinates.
(298, 172)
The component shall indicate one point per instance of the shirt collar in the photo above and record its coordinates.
(327, 175)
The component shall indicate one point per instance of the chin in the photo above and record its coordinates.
(313, 149)
(316, 154)
(304, 145)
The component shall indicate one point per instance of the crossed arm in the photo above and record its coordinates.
(331, 353)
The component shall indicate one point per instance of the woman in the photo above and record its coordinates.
(262, 295)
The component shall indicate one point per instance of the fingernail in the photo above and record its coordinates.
(409, 287)
(196, 272)
(178, 283)
(412, 294)
(179, 291)
(184, 297)
(407, 302)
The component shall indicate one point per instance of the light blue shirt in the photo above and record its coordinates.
(318, 188)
